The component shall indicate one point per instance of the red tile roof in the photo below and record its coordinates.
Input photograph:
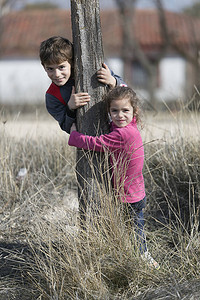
(23, 31)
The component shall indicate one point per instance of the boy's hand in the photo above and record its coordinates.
(73, 128)
(104, 76)
(78, 100)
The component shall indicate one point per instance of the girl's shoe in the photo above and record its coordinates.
(146, 256)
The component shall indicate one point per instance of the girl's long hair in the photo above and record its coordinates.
(122, 92)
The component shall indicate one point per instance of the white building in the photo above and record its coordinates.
(23, 79)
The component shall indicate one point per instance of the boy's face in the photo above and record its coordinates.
(121, 112)
(60, 73)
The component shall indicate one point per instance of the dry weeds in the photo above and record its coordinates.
(44, 253)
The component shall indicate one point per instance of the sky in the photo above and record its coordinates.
(174, 5)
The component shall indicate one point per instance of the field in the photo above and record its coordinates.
(46, 255)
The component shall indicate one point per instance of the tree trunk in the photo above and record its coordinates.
(92, 118)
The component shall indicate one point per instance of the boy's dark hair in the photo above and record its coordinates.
(56, 50)
(122, 92)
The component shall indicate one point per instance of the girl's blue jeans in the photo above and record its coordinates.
(136, 217)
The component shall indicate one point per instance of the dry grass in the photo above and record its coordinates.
(46, 255)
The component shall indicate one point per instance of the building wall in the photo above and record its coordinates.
(22, 81)
(25, 81)
(172, 79)
(116, 65)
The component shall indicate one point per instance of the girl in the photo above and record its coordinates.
(124, 144)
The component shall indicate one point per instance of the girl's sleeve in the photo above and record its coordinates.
(106, 142)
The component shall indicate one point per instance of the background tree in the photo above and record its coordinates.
(42, 5)
(7, 5)
(189, 52)
(132, 51)
(92, 118)
(193, 10)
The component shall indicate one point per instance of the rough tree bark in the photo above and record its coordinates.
(91, 119)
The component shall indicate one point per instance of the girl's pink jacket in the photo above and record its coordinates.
(126, 155)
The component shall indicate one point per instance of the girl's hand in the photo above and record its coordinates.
(78, 100)
(104, 76)
(73, 128)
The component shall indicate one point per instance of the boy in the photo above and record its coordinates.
(56, 55)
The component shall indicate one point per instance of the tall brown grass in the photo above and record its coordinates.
(51, 257)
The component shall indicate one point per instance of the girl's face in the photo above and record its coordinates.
(121, 112)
